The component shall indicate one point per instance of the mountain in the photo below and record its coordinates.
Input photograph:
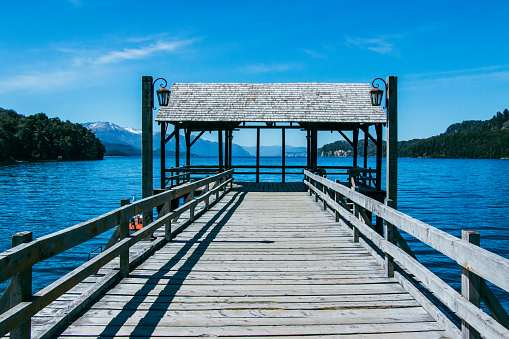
(127, 141)
(275, 151)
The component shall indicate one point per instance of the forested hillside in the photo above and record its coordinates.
(37, 138)
(487, 139)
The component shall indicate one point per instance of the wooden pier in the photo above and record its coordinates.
(253, 260)
(258, 264)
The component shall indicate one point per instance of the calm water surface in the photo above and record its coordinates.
(450, 194)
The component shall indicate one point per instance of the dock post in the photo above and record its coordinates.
(470, 285)
(258, 154)
(124, 233)
(392, 140)
(205, 191)
(283, 151)
(21, 288)
(355, 233)
(147, 102)
(336, 199)
(324, 191)
(389, 236)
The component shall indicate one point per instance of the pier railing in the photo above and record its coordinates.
(478, 265)
(18, 304)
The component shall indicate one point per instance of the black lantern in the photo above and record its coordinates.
(377, 93)
(163, 95)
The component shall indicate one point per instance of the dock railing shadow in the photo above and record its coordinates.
(478, 265)
(18, 304)
(203, 238)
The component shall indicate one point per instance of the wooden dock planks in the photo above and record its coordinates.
(258, 264)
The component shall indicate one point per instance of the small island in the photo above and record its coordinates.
(39, 138)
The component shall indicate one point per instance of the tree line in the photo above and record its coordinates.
(38, 138)
(474, 139)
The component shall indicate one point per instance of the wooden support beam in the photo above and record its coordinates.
(147, 158)
(283, 153)
(147, 100)
(187, 134)
(220, 146)
(198, 137)
(164, 126)
(21, 289)
(392, 140)
(226, 149)
(308, 149)
(258, 154)
(168, 138)
(346, 138)
(124, 233)
(177, 150)
(493, 305)
(398, 239)
(314, 148)
(230, 140)
(470, 285)
(389, 236)
(365, 149)
(355, 142)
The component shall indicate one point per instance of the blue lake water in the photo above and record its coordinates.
(450, 194)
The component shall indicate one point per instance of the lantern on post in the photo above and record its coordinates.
(377, 93)
(163, 95)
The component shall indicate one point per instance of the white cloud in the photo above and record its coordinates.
(79, 64)
(141, 52)
(380, 44)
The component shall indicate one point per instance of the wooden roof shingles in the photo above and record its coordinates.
(271, 102)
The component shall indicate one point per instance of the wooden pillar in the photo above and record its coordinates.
(164, 127)
(392, 162)
(187, 132)
(378, 174)
(308, 152)
(220, 145)
(355, 142)
(230, 141)
(314, 149)
(283, 158)
(258, 154)
(470, 285)
(365, 130)
(21, 288)
(392, 140)
(147, 103)
(177, 150)
(379, 149)
(124, 233)
(226, 147)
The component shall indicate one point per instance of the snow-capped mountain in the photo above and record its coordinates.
(114, 136)
(110, 133)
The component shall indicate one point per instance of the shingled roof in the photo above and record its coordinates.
(271, 102)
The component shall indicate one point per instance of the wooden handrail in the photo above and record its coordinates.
(24, 256)
(486, 264)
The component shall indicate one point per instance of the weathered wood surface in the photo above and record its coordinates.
(258, 264)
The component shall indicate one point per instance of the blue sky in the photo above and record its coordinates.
(82, 60)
